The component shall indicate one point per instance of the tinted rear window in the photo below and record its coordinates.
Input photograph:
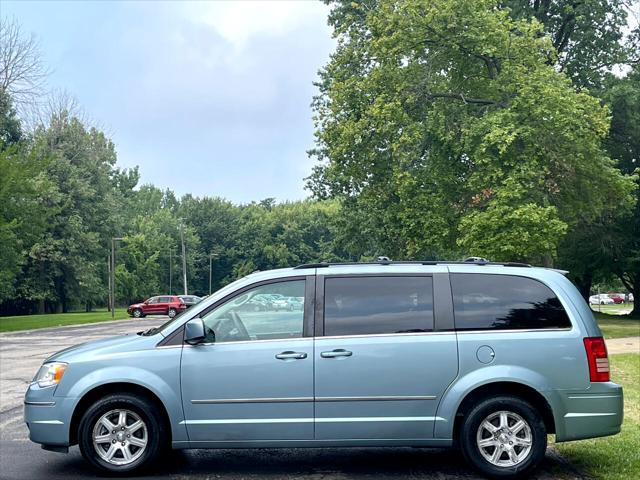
(502, 302)
(378, 305)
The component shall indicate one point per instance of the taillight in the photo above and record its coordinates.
(597, 358)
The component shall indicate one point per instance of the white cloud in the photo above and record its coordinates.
(238, 21)
(210, 98)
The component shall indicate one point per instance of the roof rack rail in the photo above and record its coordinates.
(480, 262)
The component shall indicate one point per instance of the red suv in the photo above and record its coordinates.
(162, 305)
(616, 297)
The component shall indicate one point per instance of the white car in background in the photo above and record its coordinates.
(602, 299)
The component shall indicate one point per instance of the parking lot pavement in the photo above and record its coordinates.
(21, 353)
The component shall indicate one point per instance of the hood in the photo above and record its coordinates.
(106, 346)
(136, 305)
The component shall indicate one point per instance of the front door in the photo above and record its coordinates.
(252, 379)
(380, 368)
(152, 306)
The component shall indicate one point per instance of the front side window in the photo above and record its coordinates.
(504, 302)
(378, 305)
(261, 313)
(152, 300)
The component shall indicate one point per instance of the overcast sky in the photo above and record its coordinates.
(209, 98)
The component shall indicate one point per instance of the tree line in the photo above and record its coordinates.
(445, 128)
(63, 200)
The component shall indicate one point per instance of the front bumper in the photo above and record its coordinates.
(596, 412)
(47, 417)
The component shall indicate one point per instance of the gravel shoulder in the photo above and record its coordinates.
(623, 345)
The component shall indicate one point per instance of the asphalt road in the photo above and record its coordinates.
(21, 353)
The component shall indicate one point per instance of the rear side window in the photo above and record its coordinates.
(504, 302)
(378, 305)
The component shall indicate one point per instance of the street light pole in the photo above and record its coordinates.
(211, 255)
(170, 274)
(184, 261)
(109, 302)
(113, 275)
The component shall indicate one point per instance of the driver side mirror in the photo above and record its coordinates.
(194, 331)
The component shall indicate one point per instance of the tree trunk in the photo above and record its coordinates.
(636, 300)
(584, 285)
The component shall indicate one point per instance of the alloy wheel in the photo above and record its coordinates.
(120, 437)
(504, 439)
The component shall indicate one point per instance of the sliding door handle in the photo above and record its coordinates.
(291, 355)
(339, 352)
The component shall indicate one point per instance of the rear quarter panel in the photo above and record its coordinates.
(550, 361)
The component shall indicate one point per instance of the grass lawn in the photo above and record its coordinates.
(616, 457)
(617, 326)
(26, 322)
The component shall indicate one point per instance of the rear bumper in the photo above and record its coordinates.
(596, 412)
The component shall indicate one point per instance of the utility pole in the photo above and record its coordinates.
(184, 261)
(211, 255)
(113, 275)
(170, 274)
(109, 302)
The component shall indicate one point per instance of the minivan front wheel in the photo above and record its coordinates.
(503, 437)
(121, 433)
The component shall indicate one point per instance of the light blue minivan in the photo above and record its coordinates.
(486, 357)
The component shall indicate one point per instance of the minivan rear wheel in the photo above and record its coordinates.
(121, 433)
(503, 437)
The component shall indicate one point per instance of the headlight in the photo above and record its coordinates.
(50, 374)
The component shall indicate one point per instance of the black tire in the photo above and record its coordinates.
(137, 313)
(172, 312)
(156, 432)
(468, 437)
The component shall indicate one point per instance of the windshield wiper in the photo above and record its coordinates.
(146, 333)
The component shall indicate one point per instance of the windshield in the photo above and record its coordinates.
(209, 300)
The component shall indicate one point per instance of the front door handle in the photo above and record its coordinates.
(339, 352)
(291, 355)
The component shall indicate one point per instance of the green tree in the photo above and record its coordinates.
(623, 142)
(435, 118)
(66, 266)
(24, 193)
(587, 35)
(10, 128)
(215, 222)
